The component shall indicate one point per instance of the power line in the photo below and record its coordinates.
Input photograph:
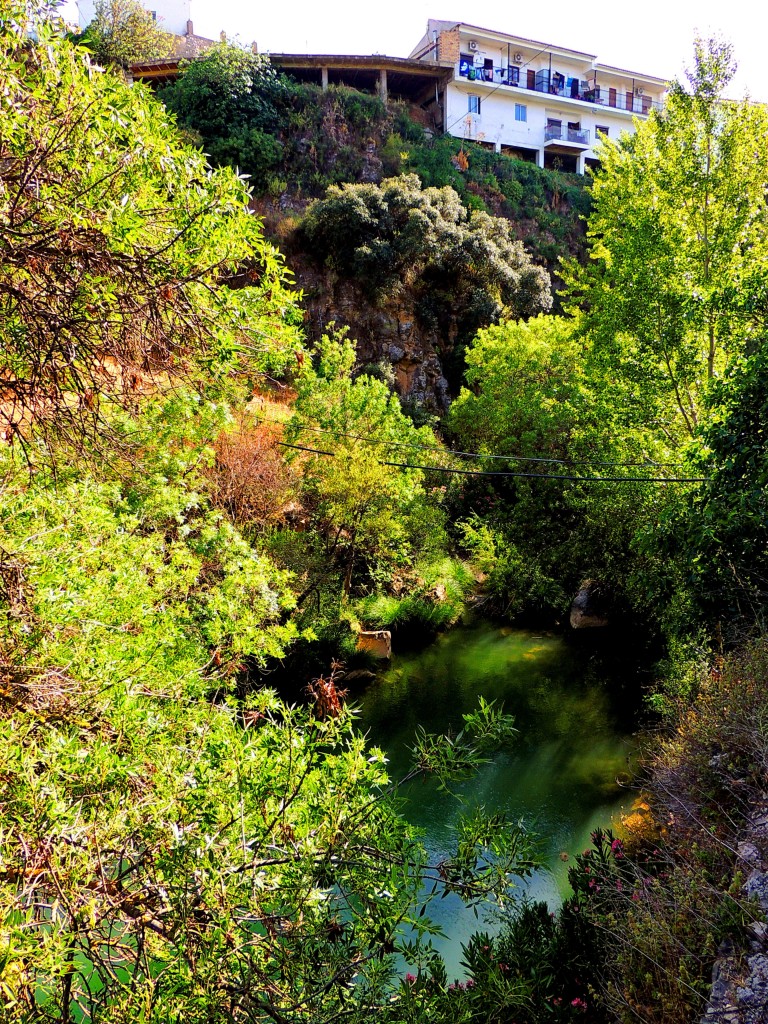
(367, 439)
(509, 473)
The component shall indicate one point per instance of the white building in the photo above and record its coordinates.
(538, 102)
(172, 15)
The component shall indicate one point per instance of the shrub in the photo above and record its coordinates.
(251, 480)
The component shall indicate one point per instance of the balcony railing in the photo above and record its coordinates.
(555, 84)
(578, 135)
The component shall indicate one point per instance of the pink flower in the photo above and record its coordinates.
(578, 1004)
(410, 978)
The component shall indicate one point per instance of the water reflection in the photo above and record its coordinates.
(560, 776)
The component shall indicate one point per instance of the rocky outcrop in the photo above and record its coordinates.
(740, 986)
(387, 332)
(589, 607)
(376, 643)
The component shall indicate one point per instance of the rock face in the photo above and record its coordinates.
(386, 332)
(588, 609)
(740, 989)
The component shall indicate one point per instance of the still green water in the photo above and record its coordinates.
(559, 777)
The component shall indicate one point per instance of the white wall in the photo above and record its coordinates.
(497, 123)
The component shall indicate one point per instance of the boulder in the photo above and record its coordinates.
(377, 643)
(588, 609)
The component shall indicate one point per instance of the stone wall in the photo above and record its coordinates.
(740, 984)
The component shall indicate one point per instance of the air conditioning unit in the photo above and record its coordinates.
(472, 45)
(518, 58)
(639, 92)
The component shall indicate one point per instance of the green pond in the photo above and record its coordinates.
(562, 776)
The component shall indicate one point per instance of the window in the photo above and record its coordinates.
(600, 129)
(521, 112)
(474, 105)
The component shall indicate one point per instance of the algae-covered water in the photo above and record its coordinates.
(561, 776)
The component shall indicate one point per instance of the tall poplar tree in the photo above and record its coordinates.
(678, 224)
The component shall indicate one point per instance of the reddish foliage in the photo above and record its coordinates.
(251, 479)
(326, 695)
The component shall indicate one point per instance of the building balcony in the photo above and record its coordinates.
(552, 83)
(577, 138)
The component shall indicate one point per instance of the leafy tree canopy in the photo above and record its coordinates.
(724, 529)
(382, 234)
(677, 232)
(464, 270)
(225, 89)
(123, 33)
(371, 514)
(175, 844)
(540, 405)
(116, 243)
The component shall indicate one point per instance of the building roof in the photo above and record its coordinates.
(507, 37)
(405, 77)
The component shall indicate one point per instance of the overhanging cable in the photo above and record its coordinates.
(474, 455)
(510, 473)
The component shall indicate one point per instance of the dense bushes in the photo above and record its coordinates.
(724, 531)
(297, 139)
(464, 271)
(128, 297)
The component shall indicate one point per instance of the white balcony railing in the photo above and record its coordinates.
(578, 136)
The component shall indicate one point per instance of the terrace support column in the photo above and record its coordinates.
(324, 78)
(539, 157)
(580, 163)
(383, 85)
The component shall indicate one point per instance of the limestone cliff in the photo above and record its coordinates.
(387, 332)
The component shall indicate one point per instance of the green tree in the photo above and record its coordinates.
(371, 514)
(399, 231)
(123, 33)
(538, 404)
(116, 245)
(464, 270)
(232, 99)
(176, 844)
(723, 532)
(678, 223)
